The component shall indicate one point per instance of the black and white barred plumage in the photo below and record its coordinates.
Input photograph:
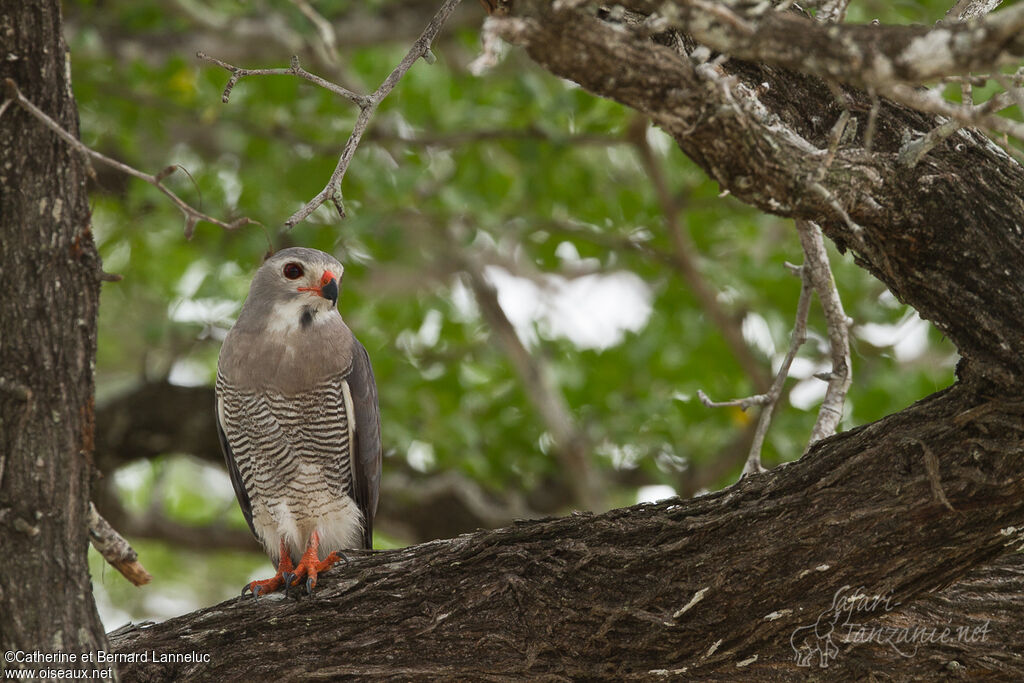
(297, 412)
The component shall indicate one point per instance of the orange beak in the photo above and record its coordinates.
(328, 287)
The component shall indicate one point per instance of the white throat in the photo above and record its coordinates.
(299, 314)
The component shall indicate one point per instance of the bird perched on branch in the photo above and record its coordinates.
(298, 419)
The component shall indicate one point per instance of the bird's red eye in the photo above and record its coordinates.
(292, 271)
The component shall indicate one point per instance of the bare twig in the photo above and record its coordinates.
(836, 136)
(771, 397)
(856, 231)
(915, 150)
(932, 102)
(1015, 94)
(420, 48)
(115, 549)
(367, 105)
(192, 216)
(816, 268)
(912, 152)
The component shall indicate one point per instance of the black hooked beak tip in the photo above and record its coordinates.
(329, 290)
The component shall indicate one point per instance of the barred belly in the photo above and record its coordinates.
(294, 457)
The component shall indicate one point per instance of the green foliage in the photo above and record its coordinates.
(562, 175)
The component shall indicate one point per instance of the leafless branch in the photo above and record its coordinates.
(931, 101)
(192, 216)
(799, 336)
(685, 261)
(741, 403)
(817, 270)
(367, 106)
(970, 9)
(571, 444)
(115, 550)
(420, 48)
(1013, 93)
(238, 73)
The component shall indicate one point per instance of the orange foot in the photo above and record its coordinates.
(281, 578)
(311, 565)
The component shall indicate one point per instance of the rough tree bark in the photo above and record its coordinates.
(47, 347)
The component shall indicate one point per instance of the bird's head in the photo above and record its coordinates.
(294, 289)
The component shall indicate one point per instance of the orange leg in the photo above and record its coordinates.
(310, 565)
(284, 573)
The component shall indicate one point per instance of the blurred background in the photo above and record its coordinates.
(543, 281)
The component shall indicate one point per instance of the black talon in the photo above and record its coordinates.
(309, 586)
(288, 578)
(256, 593)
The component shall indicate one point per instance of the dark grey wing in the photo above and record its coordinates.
(366, 449)
(236, 476)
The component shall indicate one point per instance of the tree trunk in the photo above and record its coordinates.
(47, 349)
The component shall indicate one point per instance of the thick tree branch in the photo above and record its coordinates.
(722, 586)
(776, 150)
(608, 596)
(859, 55)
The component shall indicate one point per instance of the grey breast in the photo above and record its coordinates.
(291, 448)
